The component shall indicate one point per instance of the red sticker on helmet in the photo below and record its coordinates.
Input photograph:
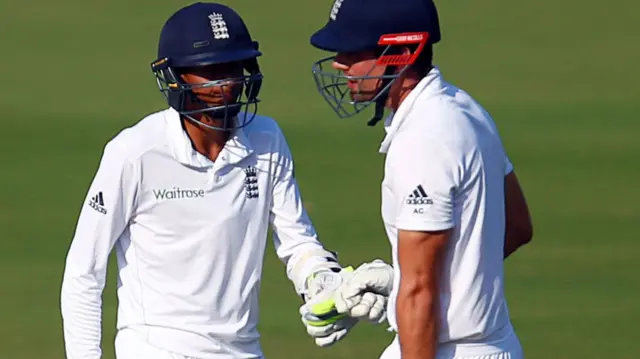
(405, 38)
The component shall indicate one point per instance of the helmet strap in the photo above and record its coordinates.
(383, 95)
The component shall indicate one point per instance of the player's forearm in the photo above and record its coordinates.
(417, 314)
(295, 238)
(511, 244)
(518, 225)
(80, 304)
(515, 238)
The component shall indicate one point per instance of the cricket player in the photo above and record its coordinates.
(451, 202)
(186, 196)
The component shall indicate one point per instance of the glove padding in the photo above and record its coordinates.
(326, 331)
(364, 293)
(323, 322)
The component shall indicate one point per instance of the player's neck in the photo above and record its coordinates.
(401, 89)
(206, 141)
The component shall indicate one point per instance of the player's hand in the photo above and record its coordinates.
(365, 292)
(319, 315)
(326, 330)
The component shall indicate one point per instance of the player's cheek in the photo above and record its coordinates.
(231, 93)
(366, 86)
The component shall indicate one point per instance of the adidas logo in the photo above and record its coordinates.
(419, 196)
(97, 203)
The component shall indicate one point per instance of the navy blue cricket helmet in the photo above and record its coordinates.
(382, 26)
(204, 34)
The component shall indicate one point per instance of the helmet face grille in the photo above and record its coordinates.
(234, 111)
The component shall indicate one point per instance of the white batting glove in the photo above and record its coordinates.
(319, 315)
(365, 292)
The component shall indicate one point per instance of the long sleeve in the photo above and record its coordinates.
(294, 235)
(103, 217)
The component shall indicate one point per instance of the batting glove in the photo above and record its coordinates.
(319, 314)
(365, 292)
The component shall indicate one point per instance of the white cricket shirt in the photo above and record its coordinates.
(445, 168)
(189, 235)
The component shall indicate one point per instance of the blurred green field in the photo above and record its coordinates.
(560, 77)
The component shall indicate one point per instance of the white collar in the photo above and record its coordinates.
(237, 147)
(392, 123)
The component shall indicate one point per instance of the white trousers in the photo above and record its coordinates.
(508, 348)
(130, 345)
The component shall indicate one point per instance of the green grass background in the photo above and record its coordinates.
(560, 77)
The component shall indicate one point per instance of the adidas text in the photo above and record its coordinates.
(418, 201)
(97, 207)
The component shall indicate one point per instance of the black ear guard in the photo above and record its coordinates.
(175, 96)
(381, 101)
(252, 67)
